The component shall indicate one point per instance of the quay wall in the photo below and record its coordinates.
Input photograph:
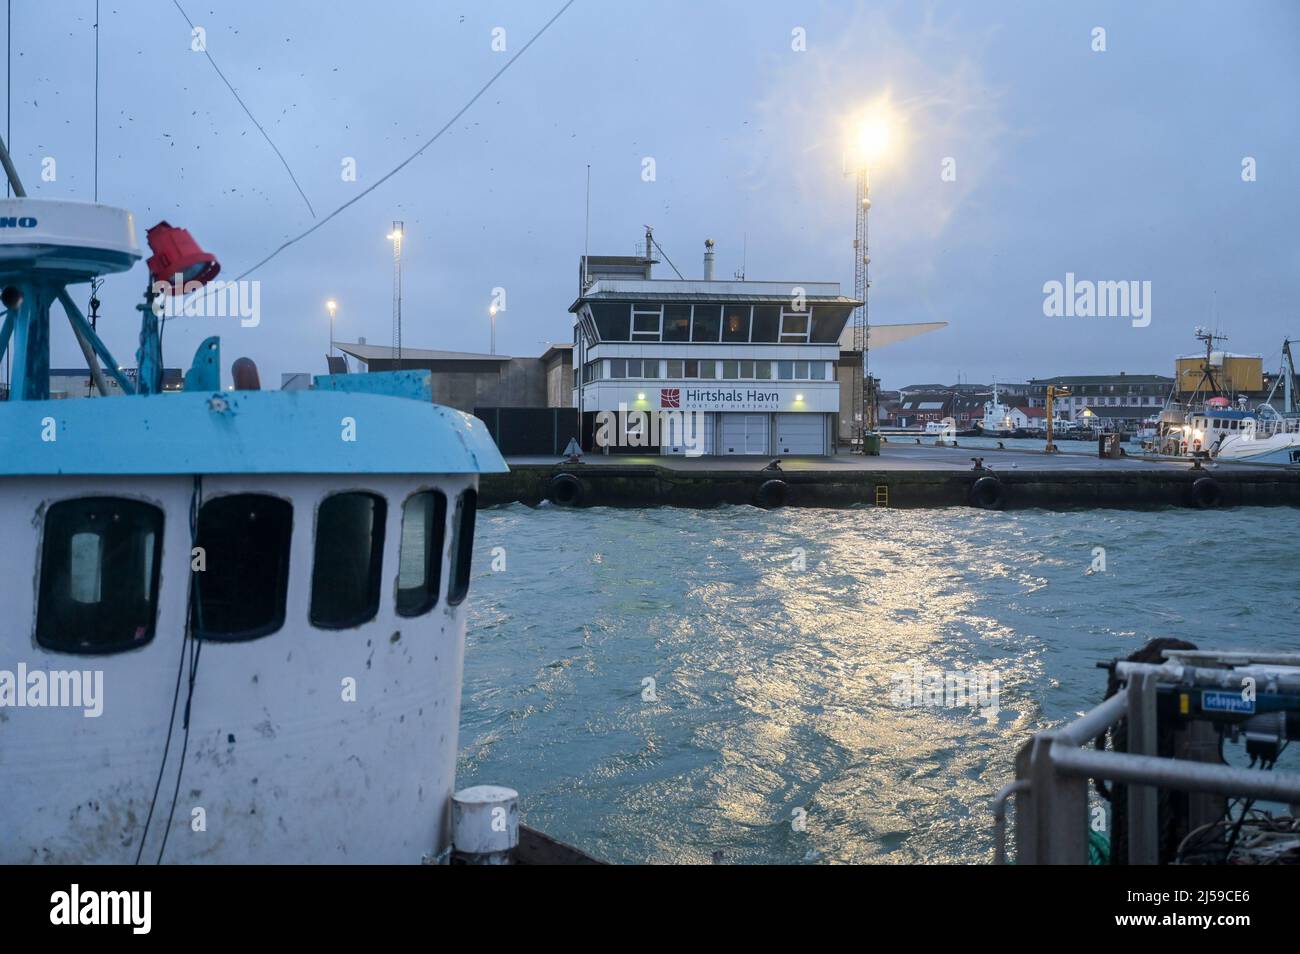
(648, 485)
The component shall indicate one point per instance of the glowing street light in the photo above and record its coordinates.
(492, 315)
(873, 139)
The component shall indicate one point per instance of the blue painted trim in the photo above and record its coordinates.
(6, 330)
(244, 432)
(205, 370)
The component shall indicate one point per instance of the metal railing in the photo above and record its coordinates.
(1053, 771)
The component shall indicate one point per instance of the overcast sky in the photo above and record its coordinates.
(1117, 165)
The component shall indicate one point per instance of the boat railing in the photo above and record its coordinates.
(1053, 771)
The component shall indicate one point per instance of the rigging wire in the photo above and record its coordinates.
(665, 255)
(427, 143)
(249, 113)
(96, 100)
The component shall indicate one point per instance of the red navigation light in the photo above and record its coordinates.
(177, 254)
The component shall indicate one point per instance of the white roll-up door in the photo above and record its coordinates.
(689, 435)
(744, 434)
(801, 434)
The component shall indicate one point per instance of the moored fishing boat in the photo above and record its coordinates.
(243, 637)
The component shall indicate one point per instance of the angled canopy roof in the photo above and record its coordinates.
(878, 336)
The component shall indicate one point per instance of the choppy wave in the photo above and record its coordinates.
(772, 639)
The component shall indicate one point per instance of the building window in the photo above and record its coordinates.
(613, 319)
(817, 370)
(618, 367)
(735, 323)
(828, 322)
(747, 369)
(419, 570)
(767, 323)
(708, 369)
(801, 370)
(794, 326)
(730, 370)
(692, 369)
(645, 322)
(99, 575)
(763, 370)
(785, 370)
(245, 541)
(462, 547)
(636, 367)
(677, 322)
(706, 323)
(674, 368)
(346, 572)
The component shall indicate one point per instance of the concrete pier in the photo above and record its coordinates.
(904, 475)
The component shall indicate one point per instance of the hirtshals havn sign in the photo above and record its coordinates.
(708, 399)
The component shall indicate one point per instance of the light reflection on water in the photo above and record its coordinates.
(774, 684)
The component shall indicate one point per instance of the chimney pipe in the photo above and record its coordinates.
(708, 260)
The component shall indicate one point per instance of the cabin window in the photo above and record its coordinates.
(767, 323)
(345, 579)
(735, 323)
(613, 319)
(828, 322)
(99, 575)
(240, 593)
(677, 322)
(419, 571)
(646, 322)
(706, 324)
(462, 546)
(794, 326)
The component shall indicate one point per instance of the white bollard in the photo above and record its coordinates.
(484, 825)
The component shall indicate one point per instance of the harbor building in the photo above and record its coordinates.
(78, 382)
(1141, 395)
(467, 380)
(758, 360)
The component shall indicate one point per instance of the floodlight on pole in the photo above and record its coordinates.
(870, 141)
(396, 236)
(331, 306)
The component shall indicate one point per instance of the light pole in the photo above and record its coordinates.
(492, 315)
(872, 140)
(396, 236)
(331, 306)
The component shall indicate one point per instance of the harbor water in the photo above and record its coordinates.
(771, 730)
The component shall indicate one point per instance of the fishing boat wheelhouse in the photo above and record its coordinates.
(242, 638)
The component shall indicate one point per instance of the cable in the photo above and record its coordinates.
(9, 76)
(96, 100)
(653, 239)
(195, 647)
(264, 133)
(428, 142)
(665, 255)
(195, 497)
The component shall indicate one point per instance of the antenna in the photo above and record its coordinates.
(586, 239)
